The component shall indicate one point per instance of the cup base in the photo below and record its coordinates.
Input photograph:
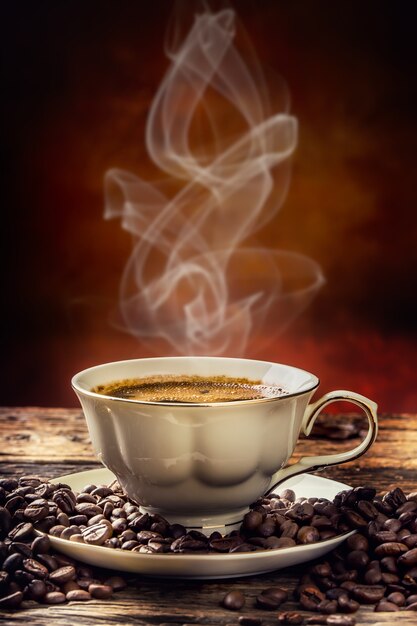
(207, 524)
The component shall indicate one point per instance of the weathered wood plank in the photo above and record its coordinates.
(156, 602)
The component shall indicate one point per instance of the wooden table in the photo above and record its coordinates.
(53, 442)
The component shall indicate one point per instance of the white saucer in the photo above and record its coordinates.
(201, 565)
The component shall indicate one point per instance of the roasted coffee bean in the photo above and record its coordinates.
(78, 520)
(408, 559)
(14, 502)
(176, 531)
(336, 593)
(397, 598)
(86, 497)
(88, 508)
(96, 519)
(353, 519)
(308, 534)
(101, 592)
(54, 597)
(410, 541)
(81, 595)
(372, 576)
(287, 494)
(8, 484)
(84, 583)
(340, 620)
(40, 545)
(321, 522)
(65, 500)
(357, 559)
(62, 575)
(117, 583)
(327, 606)
(395, 498)
(368, 594)
(301, 512)
(234, 600)
(21, 531)
(37, 510)
(5, 522)
(391, 548)
(267, 528)
(140, 522)
(20, 547)
(46, 524)
(289, 529)
(36, 589)
(120, 524)
(411, 599)
(385, 536)
(367, 509)
(269, 603)
(385, 606)
(347, 605)
(36, 568)
(13, 562)
(67, 533)
(48, 560)
(12, 601)
(56, 531)
(224, 545)
(288, 618)
(246, 620)
(280, 594)
(252, 520)
(63, 519)
(129, 545)
(310, 597)
(98, 533)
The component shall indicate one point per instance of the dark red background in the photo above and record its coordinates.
(78, 80)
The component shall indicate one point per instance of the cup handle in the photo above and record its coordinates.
(311, 463)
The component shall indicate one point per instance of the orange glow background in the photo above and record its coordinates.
(78, 81)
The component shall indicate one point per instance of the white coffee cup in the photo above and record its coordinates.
(203, 464)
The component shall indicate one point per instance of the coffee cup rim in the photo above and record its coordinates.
(173, 405)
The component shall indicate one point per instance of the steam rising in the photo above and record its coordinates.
(190, 280)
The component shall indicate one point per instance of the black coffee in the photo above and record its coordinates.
(192, 389)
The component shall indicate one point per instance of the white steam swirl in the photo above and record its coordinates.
(189, 279)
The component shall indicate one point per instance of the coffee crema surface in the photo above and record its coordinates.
(189, 389)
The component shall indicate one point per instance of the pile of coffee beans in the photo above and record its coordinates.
(104, 516)
(29, 569)
(377, 565)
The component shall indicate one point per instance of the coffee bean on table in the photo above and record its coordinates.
(310, 597)
(234, 600)
(117, 583)
(78, 594)
(246, 620)
(11, 601)
(101, 592)
(288, 618)
(54, 597)
(62, 575)
(36, 589)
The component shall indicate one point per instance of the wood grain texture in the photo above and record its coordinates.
(53, 442)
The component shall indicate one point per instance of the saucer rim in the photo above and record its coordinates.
(256, 556)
